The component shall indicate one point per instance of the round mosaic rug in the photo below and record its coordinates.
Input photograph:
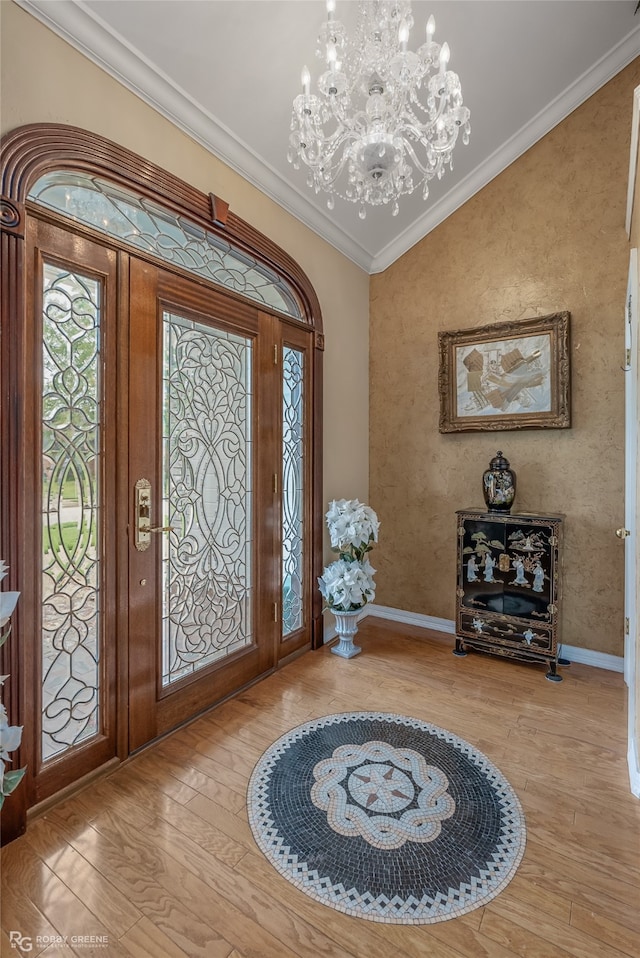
(385, 817)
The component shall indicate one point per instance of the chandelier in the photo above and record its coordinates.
(385, 120)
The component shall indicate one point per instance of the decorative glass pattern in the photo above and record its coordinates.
(292, 488)
(70, 510)
(146, 226)
(207, 496)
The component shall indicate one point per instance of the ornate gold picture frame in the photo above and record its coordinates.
(506, 376)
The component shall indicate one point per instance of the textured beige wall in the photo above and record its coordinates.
(546, 235)
(44, 80)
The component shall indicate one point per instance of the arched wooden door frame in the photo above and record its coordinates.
(27, 154)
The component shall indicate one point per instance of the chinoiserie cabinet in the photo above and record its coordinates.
(509, 586)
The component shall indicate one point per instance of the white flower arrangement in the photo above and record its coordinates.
(347, 584)
(10, 735)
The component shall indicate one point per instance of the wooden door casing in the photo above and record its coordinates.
(28, 153)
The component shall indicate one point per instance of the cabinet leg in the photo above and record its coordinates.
(459, 650)
(552, 674)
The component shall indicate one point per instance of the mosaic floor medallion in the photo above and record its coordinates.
(385, 817)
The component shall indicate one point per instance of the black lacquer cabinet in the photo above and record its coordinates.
(509, 586)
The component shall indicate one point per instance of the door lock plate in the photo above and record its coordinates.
(143, 514)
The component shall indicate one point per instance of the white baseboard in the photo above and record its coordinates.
(599, 660)
(411, 618)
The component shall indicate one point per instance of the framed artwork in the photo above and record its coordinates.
(506, 376)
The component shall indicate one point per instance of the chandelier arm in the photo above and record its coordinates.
(329, 179)
(421, 134)
(328, 145)
(428, 170)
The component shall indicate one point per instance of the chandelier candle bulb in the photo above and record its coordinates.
(305, 77)
(431, 28)
(444, 57)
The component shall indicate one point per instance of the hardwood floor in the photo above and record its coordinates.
(158, 858)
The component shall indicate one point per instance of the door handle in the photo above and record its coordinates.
(142, 507)
(623, 533)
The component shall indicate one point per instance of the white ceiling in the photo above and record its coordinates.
(226, 72)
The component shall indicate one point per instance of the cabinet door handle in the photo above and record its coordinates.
(623, 533)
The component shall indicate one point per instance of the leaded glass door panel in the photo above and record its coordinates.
(297, 426)
(69, 607)
(201, 598)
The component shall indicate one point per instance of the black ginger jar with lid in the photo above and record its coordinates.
(499, 484)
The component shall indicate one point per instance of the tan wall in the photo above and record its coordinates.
(546, 235)
(45, 80)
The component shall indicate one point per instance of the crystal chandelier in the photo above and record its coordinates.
(385, 120)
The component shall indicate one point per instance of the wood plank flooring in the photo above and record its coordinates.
(157, 860)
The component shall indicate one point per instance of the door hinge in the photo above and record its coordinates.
(627, 360)
(275, 483)
(626, 626)
(275, 611)
(275, 355)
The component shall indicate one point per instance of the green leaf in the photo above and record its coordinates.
(12, 780)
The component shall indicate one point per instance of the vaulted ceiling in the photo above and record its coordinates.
(226, 72)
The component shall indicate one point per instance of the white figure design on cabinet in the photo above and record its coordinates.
(472, 569)
(538, 578)
(489, 563)
(518, 565)
(529, 636)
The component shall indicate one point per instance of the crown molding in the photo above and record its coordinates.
(88, 34)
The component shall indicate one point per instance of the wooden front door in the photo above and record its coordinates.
(201, 582)
(153, 410)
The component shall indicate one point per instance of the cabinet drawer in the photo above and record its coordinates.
(495, 630)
